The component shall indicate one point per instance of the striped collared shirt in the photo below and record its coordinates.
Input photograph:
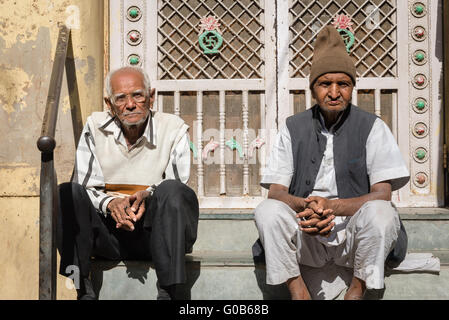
(88, 171)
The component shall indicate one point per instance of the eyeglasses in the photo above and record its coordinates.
(121, 99)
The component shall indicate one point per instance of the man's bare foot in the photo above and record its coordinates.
(298, 289)
(356, 290)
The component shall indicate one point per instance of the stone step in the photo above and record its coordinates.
(215, 275)
(217, 231)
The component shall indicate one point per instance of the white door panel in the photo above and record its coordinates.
(260, 77)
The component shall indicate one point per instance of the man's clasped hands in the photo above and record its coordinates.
(128, 210)
(317, 216)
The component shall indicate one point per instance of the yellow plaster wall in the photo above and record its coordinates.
(28, 36)
(19, 247)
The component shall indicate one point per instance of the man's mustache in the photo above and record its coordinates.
(332, 100)
(130, 113)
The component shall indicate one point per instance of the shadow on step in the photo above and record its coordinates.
(140, 270)
(269, 292)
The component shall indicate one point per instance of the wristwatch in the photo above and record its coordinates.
(151, 189)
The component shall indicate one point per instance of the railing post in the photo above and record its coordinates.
(47, 229)
(48, 184)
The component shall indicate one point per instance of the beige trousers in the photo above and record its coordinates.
(370, 235)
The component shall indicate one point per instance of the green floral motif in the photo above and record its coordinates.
(233, 144)
(419, 57)
(134, 60)
(194, 150)
(134, 13)
(420, 154)
(419, 9)
(420, 105)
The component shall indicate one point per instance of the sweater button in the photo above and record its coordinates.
(313, 160)
(307, 182)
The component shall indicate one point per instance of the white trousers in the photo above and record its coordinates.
(371, 233)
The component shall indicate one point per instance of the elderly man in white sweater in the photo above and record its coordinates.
(128, 198)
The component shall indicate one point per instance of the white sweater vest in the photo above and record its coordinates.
(145, 164)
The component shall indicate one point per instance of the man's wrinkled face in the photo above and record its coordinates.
(129, 101)
(333, 91)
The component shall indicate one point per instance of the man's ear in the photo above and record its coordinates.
(109, 104)
(152, 97)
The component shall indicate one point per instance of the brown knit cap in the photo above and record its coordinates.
(330, 55)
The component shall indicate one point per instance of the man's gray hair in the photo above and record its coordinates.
(107, 81)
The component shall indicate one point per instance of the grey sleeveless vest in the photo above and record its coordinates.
(308, 146)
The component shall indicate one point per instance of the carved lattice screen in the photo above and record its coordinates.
(179, 54)
(374, 25)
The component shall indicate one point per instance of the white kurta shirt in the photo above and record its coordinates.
(383, 161)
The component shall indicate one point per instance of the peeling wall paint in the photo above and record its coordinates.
(19, 181)
(65, 104)
(28, 36)
(14, 86)
(90, 76)
(20, 20)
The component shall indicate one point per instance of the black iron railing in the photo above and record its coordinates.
(47, 144)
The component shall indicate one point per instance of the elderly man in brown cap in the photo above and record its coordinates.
(328, 223)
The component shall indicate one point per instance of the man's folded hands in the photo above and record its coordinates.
(316, 218)
(128, 210)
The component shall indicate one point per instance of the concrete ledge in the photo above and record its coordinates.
(239, 235)
(417, 286)
(248, 214)
(223, 259)
(436, 211)
(427, 234)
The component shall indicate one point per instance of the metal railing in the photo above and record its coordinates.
(64, 59)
